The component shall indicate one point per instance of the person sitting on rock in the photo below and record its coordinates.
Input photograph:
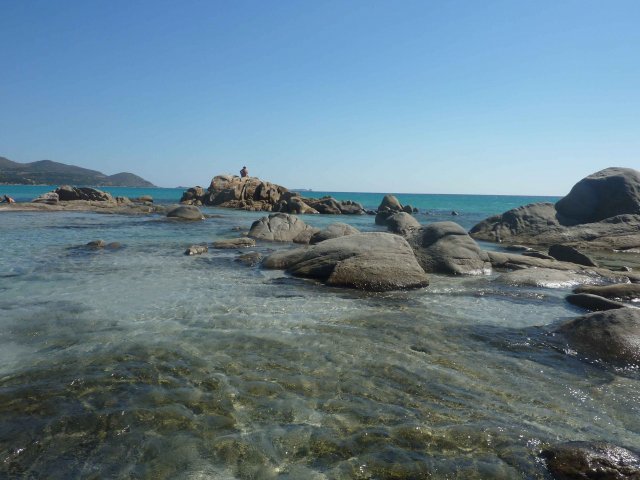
(244, 172)
(8, 199)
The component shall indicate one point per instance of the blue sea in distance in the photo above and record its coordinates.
(141, 362)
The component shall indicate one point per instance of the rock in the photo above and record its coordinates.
(96, 244)
(279, 227)
(391, 203)
(591, 460)
(601, 211)
(536, 254)
(298, 206)
(329, 205)
(612, 336)
(185, 212)
(604, 194)
(368, 261)
(113, 246)
(566, 253)
(518, 248)
(544, 278)
(401, 223)
(445, 247)
(250, 259)
(595, 303)
(196, 250)
(123, 200)
(242, 242)
(50, 198)
(334, 230)
(192, 195)
(407, 209)
(69, 193)
(621, 291)
(143, 199)
(454, 213)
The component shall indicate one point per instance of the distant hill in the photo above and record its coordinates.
(47, 172)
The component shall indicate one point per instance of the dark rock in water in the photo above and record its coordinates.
(454, 213)
(622, 291)
(536, 254)
(69, 193)
(196, 250)
(96, 244)
(193, 195)
(185, 212)
(388, 206)
(281, 227)
(242, 242)
(604, 194)
(143, 199)
(407, 209)
(612, 336)
(250, 259)
(445, 247)
(592, 302)
(401, 223)
(366, 261)
(565, 253)
(591, 461)
(335, 230)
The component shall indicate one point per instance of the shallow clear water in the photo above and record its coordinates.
(144, 363)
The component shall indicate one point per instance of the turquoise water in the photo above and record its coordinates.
(141, 362)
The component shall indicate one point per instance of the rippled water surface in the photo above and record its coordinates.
(141, 362)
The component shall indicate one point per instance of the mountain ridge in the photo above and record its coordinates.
(49, 172)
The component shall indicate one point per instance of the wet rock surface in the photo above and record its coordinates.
(593, 302)
(621, 291)
(185, 212)
(242, 242)
(591, 461)
(612, 336)
(565, 253)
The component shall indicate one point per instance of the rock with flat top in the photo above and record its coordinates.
(280, 227)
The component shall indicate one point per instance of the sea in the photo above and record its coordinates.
(140, 362)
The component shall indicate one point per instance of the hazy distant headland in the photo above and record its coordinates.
(47, 172)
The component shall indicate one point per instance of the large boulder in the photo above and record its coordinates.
(601, 211)
(445, 247)
(612, 336)
(591, 461)
(368, 261)
(604, 194)
(281, 227)
(335, 230)
(401, 223)
(329, 205)
(69, 193)
(185, 212)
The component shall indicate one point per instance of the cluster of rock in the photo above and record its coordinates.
(251, 193)
(601, 211)
(69, 196)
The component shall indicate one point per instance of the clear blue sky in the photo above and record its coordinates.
(421, 96)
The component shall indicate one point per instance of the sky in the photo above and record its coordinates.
(403, 96)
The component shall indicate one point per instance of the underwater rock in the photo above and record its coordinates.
(591, 461)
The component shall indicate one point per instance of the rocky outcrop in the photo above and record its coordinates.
(50, 198)
(251, 193)
(591, 461)
(281, 227)
(445, 247)
(619, 291)
(68, 193)
(367, 261)
(604, 194)
(185, 212)
(388, 206)
(612, 336)
(566, 253)
(335, 230)
(601, 211)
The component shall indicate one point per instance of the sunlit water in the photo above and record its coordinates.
(145, 363)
